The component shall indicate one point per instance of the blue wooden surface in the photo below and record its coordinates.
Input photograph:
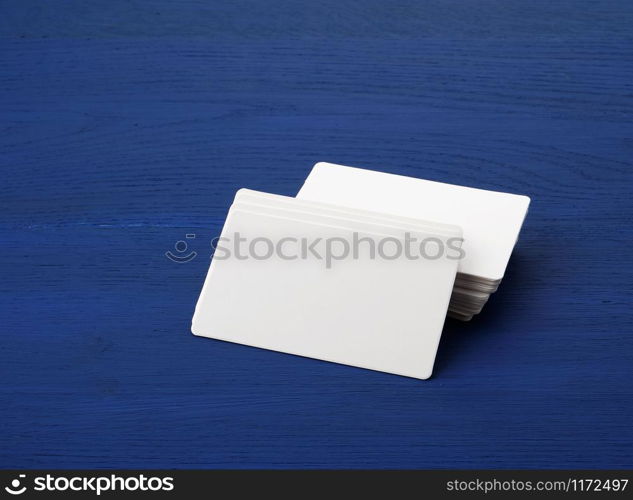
(126, 125)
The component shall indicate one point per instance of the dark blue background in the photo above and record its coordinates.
(126, 125)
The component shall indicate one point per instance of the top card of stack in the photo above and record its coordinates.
(490, 220)
(323, 282)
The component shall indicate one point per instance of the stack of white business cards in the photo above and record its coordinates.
(361, 268)
(491, 221)
(330, 281)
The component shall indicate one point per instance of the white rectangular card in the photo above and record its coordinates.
(384, 315)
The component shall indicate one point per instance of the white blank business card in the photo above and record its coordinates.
(368, 312)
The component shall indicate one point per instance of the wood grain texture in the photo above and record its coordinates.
(127, 125)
